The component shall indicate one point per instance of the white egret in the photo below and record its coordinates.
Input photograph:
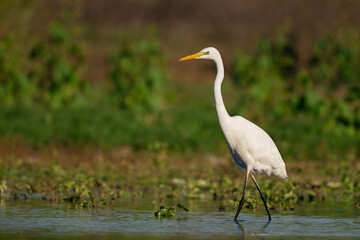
(251, 147)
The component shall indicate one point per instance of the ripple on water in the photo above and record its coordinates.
(36, 217)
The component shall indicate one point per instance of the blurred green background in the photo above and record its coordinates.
(105, 74)
(92, 96)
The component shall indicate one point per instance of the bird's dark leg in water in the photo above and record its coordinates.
(242, 201)
(262, 195)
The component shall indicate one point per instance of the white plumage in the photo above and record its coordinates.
(251, 147)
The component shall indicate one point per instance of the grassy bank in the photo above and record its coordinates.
(92, 156)
(94, 178)
(183, 127)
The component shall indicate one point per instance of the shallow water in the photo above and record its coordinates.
(127, 219)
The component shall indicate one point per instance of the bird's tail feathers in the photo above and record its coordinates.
(280, 172)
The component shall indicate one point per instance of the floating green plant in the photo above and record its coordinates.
(168, 212)
(3, 189)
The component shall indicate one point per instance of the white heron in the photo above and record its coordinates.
(251, 147)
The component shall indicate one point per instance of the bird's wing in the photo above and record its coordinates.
(257, 144)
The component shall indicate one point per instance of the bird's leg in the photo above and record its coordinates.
(262, 195)
(242, 201)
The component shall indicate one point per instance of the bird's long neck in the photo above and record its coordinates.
(219, 102)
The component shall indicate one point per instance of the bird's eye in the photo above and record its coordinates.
(207, 52)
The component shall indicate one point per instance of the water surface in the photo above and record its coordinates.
(127, 219)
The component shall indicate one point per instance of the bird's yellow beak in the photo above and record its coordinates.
(193, 56)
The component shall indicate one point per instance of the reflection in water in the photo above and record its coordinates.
(261, 231)
(241, 228)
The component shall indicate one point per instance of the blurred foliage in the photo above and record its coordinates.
(50, 76)
(111, 127)
(137, 73)
(325, 93)
(264, 74)
(334, 67)
(299, 107)
(15, 86)
(271, 76)
(336, 59)
(56, 67)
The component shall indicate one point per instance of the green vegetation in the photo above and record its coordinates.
(136, 72)
(166, 212)
(291, 103)
(92, 179)
(55, 69)
(49, 77)
(320, 100)
(176, 147)
(15, 87)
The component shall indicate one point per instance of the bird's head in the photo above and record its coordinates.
(206, 53)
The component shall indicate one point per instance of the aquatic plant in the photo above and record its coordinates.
(86, 192)
(3, 189)
(165, 212)
(169, 211)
